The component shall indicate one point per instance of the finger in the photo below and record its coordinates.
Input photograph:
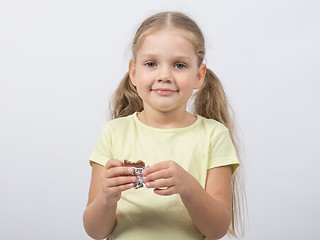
(154, 168)
(113, 163)
(165, 192)
(163, 173)
(118, 171)
(118, 181)
(121, 188)
(165, 183)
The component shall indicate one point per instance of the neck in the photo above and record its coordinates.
(166, 120)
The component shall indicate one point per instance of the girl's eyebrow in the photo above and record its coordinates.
(148, 55)
(180, 57)
(183, 58)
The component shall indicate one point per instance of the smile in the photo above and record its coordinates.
(164, 91)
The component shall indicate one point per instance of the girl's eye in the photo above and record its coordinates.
(150, 64)
(180, 66)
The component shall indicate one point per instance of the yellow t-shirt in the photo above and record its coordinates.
(141, 214)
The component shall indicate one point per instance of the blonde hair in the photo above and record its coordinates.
(210, 100)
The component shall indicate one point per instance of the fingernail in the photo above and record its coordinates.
(144, 172)
(147, 185)
(130, 170)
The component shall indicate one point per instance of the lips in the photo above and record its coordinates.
(164, 91)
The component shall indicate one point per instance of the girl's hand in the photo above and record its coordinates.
(114, 180)
(167, 178)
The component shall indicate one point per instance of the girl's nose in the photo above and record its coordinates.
(164, 74)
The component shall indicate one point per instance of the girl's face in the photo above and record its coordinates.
(166, 70)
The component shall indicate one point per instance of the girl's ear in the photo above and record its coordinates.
(132, 72)
(200, 76)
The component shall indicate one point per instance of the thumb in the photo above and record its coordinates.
(113, 163)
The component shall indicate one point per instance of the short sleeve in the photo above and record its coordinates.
(222, 152)
(101, 152)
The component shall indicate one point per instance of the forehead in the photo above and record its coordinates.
(170, 39)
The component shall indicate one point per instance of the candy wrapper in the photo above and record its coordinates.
(138, 173)
(138, 166)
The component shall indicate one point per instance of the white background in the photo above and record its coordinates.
(61, 60)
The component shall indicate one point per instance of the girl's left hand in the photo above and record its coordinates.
(167, 178)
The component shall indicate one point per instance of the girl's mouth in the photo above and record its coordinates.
(164, 91)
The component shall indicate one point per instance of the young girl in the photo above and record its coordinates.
(189, 190)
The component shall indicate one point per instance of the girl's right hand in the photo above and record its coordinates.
(115, 179)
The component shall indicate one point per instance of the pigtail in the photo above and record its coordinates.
(125, 100)
(211, 102)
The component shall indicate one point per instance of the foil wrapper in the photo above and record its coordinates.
(138, 173)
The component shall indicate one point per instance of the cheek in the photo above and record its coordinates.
(187, 82)
(143, 75)
(143, 82)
